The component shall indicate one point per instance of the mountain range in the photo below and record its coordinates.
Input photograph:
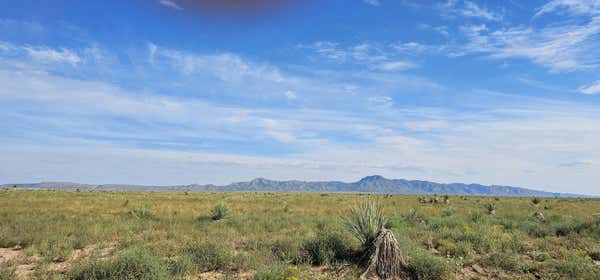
(371, 184)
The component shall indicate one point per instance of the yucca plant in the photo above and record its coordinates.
(219, 211)
(365, 221)
(491, 208)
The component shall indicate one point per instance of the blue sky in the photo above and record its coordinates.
(179, 91)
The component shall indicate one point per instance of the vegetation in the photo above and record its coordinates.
(142, 235)
(365, 221)
(131, 264)
(219, 211)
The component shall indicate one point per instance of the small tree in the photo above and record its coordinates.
(536, 201)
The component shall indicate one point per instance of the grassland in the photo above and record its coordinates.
(156, 235)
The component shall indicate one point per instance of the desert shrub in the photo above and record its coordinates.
(220, 211)
(564, 225)
(449, 212)
(143, 214)
(179, 267)
(131, 264)
(576, 267)
(454, 249)
(424, 266)
(490, 208)
(537, 229)
(58, 249)
(589, 227)
(365, 221)
(476, 217)
(8, 271)
(506, 261)
(207, 256)
(536, 200)
(595, 254)
(286, 250)
(277, 272)
(326, 248)
(413, 217)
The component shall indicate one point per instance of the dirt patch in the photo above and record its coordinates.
(17, 256)
(25, 265)
(217, 275)
(104, 251)
(316, 272)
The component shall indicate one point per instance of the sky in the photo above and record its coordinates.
(166, 92)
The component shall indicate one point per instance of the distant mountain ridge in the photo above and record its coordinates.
(371, 184)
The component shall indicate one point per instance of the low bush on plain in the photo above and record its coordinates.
(219, 212)
(424, 266)
(133, 264)
(208, 256)
(326, 248)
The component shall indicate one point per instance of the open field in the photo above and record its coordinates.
(156, 235)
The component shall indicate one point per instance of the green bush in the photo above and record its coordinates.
(133, 264)
(208, 256)
(448, 212)
(577, 267)
(179, 267)
(595, 254)
(220, 211)
(326, 248)
(505, 261)
(424, 266)
(286, 250)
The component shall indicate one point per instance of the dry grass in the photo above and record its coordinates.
(268, 229)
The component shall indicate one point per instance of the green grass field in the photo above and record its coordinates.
(152, 235)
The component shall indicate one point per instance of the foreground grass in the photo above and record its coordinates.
(283, 235)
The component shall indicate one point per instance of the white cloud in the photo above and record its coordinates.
(558, 48)
(226, 66)
(374, 56)
(574, 7)
(395, 66)
(171, 4)
(291, 94)
(372, 2)
(591, 89)
(442, 29)
(381, 101)
(48, 55)
(468, 9)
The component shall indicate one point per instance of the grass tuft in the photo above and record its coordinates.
(136, 264)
